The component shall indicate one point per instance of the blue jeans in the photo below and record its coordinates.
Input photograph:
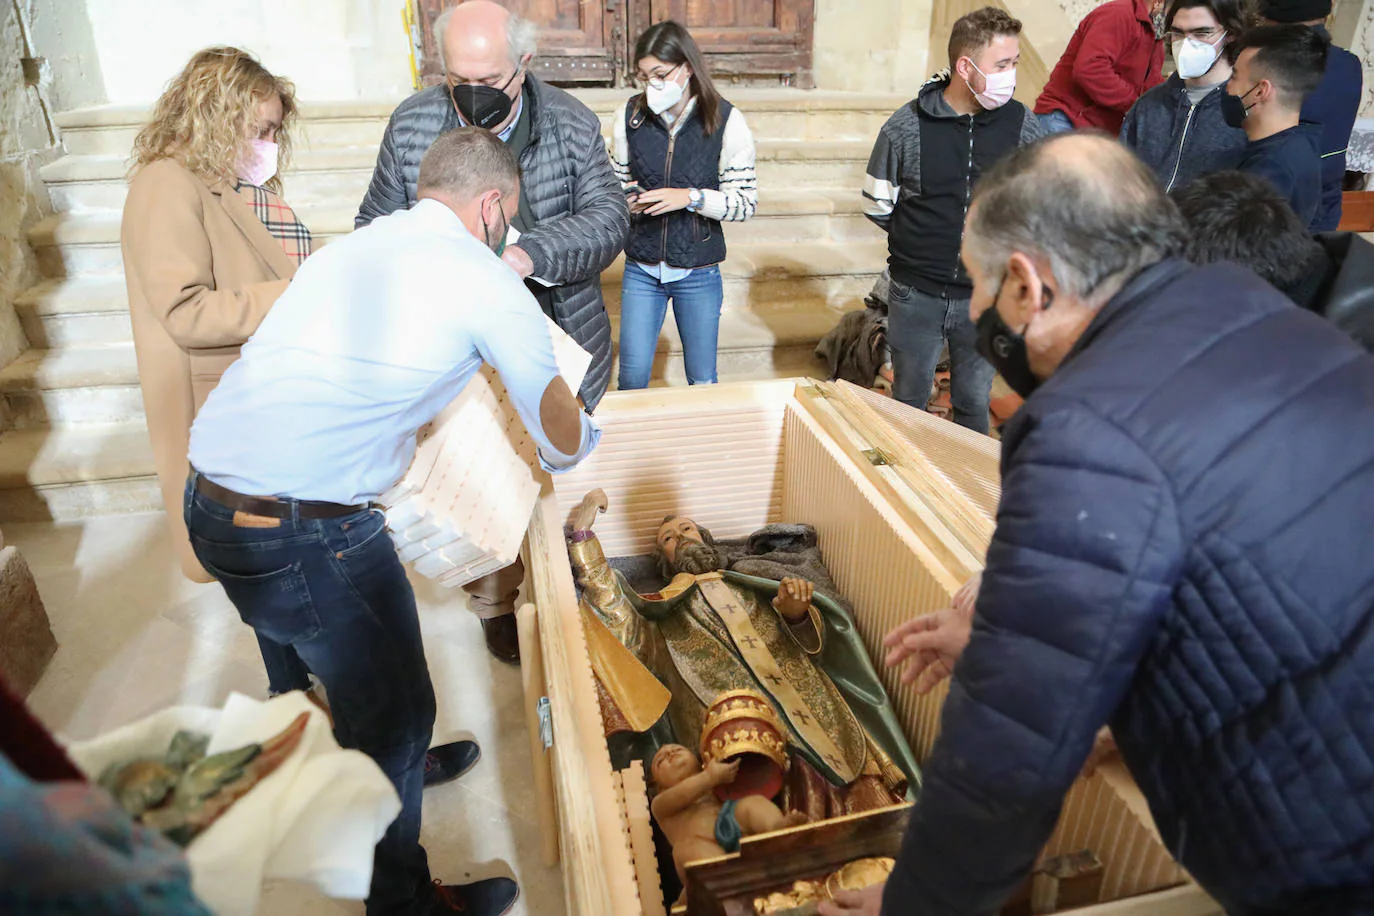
(1055, 122)
(696, 309)
(335, 592)
(917, 328)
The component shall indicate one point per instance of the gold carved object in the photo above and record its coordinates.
(743, 725)
(801, 894)
(858, 875)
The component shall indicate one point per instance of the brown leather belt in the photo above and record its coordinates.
(270, 506)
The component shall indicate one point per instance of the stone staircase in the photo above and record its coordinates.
(75, 442)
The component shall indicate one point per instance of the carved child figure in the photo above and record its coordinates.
(695, 822)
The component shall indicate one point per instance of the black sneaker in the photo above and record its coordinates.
(490, 897)
(446, 762)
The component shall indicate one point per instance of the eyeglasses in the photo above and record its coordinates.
(655, 80)
(1208, 35)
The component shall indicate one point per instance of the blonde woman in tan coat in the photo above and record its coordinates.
(208, 247)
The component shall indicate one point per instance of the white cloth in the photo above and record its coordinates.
(738, 196)
(315, 820)
(377, 333)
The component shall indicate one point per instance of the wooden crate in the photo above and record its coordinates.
(903, 511)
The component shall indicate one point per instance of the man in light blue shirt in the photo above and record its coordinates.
(318, 418)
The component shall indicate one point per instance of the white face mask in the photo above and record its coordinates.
(1194, 57)
(1000, 87)
(660, 97)
(259, 162)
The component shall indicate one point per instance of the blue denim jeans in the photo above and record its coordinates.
(917, 328)
(335, 592)
(696, 309)
(1055, 122)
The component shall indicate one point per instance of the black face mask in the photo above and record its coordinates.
(1006, 350)
(1233, 108)
(498, 247)
(483, 106)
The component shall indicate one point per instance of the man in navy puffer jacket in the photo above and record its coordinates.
(1182, 551)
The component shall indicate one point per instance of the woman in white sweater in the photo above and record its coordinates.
(686, 160)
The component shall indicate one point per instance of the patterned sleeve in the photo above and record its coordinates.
(738, 196)
(883, 181)
(620, 148)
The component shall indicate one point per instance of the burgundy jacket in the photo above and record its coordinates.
(1109, 63)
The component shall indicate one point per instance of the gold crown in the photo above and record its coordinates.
(743, 722)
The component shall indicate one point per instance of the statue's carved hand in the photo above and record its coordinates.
(932, 643)
(794, 599)
(594, 503)
(721, 773)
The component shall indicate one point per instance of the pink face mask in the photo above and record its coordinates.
(999, 88)
(259, 162)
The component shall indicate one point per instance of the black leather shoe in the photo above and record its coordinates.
(446, 762)
(490, 897)
(503, 639)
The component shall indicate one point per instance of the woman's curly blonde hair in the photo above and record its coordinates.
(208, 112)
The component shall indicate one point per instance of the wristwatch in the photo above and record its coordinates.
(695, 199)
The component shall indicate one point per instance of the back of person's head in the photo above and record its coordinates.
(976, 30)
(467, 162)
(1291, 57)
(1242, 218)
(1083, 203)
(1235, 16)
(209, 111)
(671, 43)
(1302, 11)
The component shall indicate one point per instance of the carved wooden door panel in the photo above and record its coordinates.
(751, 40)
(580, 41)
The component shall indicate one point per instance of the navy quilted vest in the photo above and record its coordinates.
(689, 160)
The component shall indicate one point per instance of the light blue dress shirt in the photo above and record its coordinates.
(376, 334)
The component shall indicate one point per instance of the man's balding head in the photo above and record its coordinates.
(482, 41)
(1055, 230)
(1082, 204)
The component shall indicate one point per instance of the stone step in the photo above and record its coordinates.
(338, 177)
(73, 472)
(75, 312)
(72, 385)
(98, 384)
(771, 114)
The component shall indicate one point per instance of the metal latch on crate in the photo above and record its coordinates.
(545, 722)
(876, 457)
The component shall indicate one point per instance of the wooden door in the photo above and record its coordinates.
(580, 41)
(766, 41)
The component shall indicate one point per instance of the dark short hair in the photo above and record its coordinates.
(466, 162)
(1235, 16)
(1292, 57)
(1242, 218)
(1093, 218)
(975, 31)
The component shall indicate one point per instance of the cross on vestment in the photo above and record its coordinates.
(773, 679)
(799, 716)
(750, 642)
(834, 761)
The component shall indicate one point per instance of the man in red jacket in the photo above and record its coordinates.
(1116, 54)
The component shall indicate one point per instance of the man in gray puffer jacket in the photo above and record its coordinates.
(572, 219)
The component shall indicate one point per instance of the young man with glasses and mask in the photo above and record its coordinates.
(569, 223)
(1277, 68)
(921, 175)
(1177, 128)
(318, 418)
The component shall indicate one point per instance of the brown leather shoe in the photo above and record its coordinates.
(503, 640)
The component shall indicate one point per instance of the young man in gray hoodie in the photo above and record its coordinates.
(1177, 127)
(925, 162)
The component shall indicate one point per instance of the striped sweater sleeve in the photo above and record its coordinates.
(882, 184)
(620, 149)
(738, 196)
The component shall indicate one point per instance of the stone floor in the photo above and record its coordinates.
(135, 637)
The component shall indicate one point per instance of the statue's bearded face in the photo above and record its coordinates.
(686, 549)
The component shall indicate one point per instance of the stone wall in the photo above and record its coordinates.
(27, 141)
(873, 45)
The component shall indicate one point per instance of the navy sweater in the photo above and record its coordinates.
(1182, 550)
(1334, 106)
(1179, 140)
(1290, 161)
